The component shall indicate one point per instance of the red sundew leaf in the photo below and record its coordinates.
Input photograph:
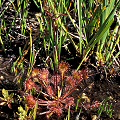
(70, 81)
(57, 106)
(35, 72)
(30, 101)
(63, 67)
(57, 110)
(55, 79)
(29, 85)
(96, 104)
(54, 110)
(43, 76)
(78, 76)
(85, 74)
(68, 88)
(69, 102)
(50, 91)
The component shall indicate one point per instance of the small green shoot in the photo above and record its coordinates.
(105, 107)
(26, 114)
(7, 98)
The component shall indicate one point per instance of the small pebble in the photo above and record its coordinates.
(1, 78)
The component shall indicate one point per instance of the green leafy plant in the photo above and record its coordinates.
(7, 98)
(25, 114)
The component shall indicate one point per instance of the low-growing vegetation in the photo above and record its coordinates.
(60, 59)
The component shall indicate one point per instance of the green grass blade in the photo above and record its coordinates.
(102, 30)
